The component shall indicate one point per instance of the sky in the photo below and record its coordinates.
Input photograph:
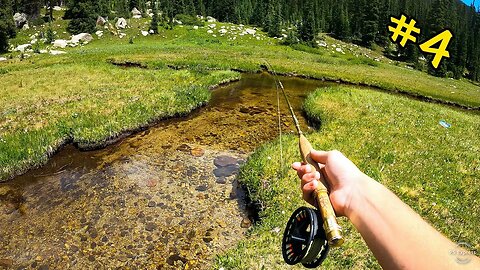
(469, 2)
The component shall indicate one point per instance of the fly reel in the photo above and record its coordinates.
(304, 239)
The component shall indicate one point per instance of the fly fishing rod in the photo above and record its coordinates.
(309, 233)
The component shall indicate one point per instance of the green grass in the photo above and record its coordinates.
(395, 140)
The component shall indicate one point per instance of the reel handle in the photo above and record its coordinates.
(332, 230)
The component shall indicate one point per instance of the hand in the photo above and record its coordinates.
(343, 179)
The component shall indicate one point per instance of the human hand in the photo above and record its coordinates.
(343, 179)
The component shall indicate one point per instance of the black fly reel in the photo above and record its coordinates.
(304, 239)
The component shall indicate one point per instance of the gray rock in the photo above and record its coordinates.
(136, 14)
(121, 23)
(150, 226)
(101, 21)
(226, 171)
(82, 37)
(60, 43)
(223, 161)
(20, 19)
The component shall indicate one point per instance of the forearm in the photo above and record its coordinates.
(398, 237)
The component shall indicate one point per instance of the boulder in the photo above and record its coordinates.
(144, 33)
(20, 19)
(211, 19)
(82, 37)
(136, 14)
(3, 59)
(121, 23)
(250, 31)
(60, 43)
(23, 47)
(57, 8)
(99, 33)
(101, 21)
(53, 52)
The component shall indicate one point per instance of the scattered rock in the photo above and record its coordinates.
(210, 31)
(211, 19)
(223, 161)
(57, 8)
(151, 183)
(150, 226)
(22, 48)
(20, 19)
(60, 43)
(195, 27)
(253, 110)
(226, 171)
(54, 52)
(151, 31)
(144, 33)
(101, 21)
(184, 148)
(136, 13)
(122, 35)
(25, 26)
(121, 23)
(250, 31)
(83, 37)
(99, 33)
(201, 188)
(3, 59)
(245, 223)
(221, 180)
(197, 152)
(7, 263)
(151, 204)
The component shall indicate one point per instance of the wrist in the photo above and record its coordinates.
(358, 195)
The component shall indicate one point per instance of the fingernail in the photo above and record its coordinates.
(308, 169)
(317, 175)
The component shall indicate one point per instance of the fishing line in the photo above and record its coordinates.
(309, 232)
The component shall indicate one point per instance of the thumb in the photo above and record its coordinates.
(319, 156)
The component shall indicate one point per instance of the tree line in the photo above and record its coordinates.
(360, 21)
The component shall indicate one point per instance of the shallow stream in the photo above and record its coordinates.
(163, 198)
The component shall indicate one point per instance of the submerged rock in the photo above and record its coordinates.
(223, 161)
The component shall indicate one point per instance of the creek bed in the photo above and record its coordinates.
(165, 198)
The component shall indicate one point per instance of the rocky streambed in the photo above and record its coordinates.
(165, 198)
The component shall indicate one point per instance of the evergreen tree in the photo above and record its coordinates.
(30, 7)
(7, 26)
(121, 9)
(154, 22)
(84, 16)
(370, 22)
(306, 30)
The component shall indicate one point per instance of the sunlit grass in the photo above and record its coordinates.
(395, 140)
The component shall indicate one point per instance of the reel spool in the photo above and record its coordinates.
(304, 240)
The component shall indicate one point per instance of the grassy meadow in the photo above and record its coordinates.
(393, 139)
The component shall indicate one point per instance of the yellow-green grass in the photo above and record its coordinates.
(395, 140)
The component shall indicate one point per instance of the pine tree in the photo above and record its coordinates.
(7, 26)
(154, 22)
(306, 31)
(370, 22)
(30, 7)
(84, 16)
(121, 9)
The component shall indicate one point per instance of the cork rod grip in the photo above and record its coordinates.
(330, 225)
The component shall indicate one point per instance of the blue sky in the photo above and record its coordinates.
(468, 2)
